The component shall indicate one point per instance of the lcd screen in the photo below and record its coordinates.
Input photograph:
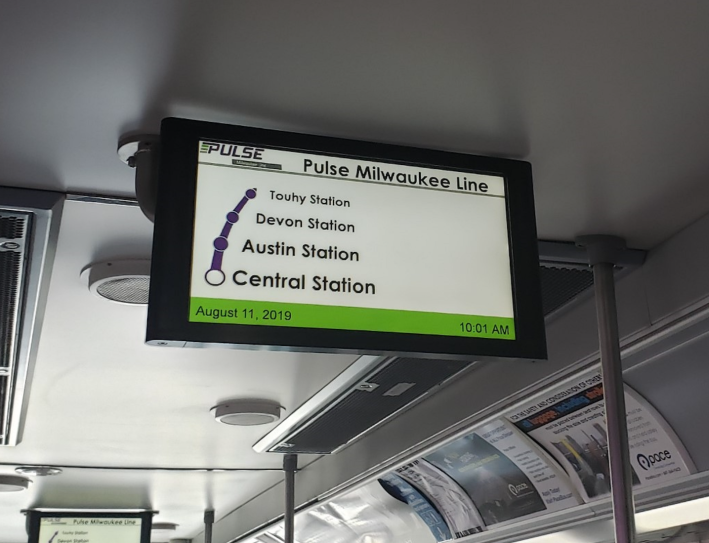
(82, 527)
(302, 240)
(269, 239)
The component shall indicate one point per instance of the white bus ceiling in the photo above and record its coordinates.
(607, 100)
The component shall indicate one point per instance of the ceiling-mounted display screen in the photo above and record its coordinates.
(273, 239)
(84, 527)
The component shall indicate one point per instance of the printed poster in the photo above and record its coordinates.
(569, 422)
(400, 489)
(506, 476)
(447, 495)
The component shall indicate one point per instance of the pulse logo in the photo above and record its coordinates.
(516, 489)
(646, 462)
(232, 150)
(215, 276)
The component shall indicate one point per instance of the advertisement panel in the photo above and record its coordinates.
(569, 422)
(507, 476)
(449, 498)
(403, 491)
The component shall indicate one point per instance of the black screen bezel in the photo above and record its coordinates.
(34, 517)
(168, 310)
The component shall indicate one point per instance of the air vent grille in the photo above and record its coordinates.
(561, 284)
(10, 268)
(4, 407)
(12, 248)
(388, 390)
(12, 227)
(566, 276)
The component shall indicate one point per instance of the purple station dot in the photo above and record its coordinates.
(251, 194)
(221, 243)
(232, 217)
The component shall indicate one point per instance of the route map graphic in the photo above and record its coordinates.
(214, 275)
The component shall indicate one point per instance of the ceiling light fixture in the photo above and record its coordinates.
(120, 281)
(247, 412)
(13, 483)
(38, 471)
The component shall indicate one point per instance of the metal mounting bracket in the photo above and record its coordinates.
(141, 152)
(602, 249)
(576, 253)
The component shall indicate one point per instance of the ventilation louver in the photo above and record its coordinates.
(368, 401)
(561, 285)
(28, 226)
(4, 401)
(566, 276)
(13, 243)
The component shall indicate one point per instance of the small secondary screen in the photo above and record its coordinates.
(89, 530)
(293, 239)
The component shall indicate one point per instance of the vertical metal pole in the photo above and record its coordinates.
(603, 251)
(290, 465)
(208, 522)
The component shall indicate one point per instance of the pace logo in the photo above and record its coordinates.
(646, 462)
(232, 150)
(215, 275)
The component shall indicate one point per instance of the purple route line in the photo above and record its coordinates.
(215, 276)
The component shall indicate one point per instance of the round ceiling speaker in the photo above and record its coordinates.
(13, 483)
(120, 281)
(247, 412)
